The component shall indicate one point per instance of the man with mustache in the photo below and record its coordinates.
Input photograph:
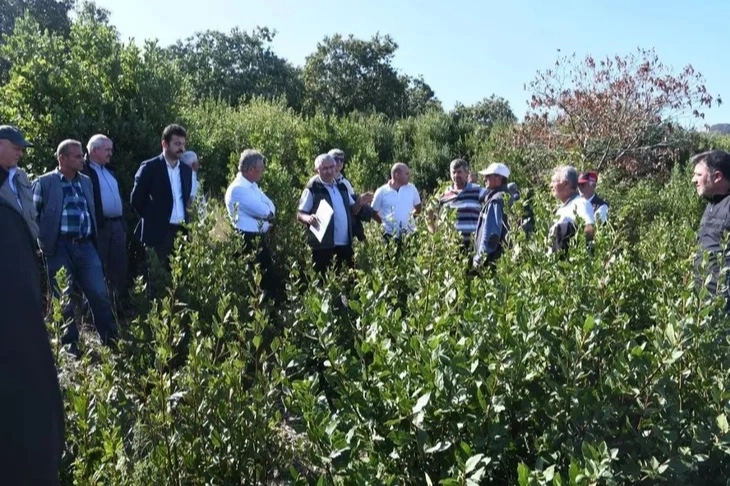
(161, 190)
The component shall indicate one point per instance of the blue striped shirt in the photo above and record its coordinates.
(75, 216)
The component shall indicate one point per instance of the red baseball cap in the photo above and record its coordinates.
(590, 176)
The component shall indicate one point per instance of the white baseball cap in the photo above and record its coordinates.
(496, 168)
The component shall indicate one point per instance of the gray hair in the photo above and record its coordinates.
(250, 158)
(97, 141)
(567, 173)
(459, 164)
(65, 145)
(335, 152)
(321, 158)
(188, 158)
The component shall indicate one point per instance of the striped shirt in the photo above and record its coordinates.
(75, 216)
(467, 204)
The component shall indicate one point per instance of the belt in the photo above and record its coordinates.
(74, 239)
(115, 218)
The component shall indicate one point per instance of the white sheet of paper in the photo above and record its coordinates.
(324, 215)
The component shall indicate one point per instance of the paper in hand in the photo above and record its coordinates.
(324, 215)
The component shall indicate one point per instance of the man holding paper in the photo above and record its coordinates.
(327, 208)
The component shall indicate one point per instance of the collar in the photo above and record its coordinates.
(63, 177)
(11, 173)
(570, 199)
(245, 182)
(95, 165)
(167, 162)
(714, 199)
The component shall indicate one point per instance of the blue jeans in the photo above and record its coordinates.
(83, 266)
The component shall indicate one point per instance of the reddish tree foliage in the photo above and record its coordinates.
(619, 111)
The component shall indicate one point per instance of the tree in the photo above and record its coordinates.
(85, 83)
(487, 112)
(237, 67)
(420, 98)
(349, 74)
(50, 14)
(619, 111)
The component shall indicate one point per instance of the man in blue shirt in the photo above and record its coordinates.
(111, 240)
(67, 231)
(492, 225)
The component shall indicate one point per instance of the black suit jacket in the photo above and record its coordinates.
(152, 198)
(87, 170)
(31, 411)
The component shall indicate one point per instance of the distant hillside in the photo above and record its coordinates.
(723, 128)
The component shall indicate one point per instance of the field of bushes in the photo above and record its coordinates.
(608, 367)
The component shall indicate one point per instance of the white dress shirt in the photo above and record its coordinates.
(396, 206)
(178, 205)
(602, 212)
(248, 207)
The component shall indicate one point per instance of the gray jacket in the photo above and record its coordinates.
(22, 185)
(49, 215)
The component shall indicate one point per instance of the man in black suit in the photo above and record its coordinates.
(31, 416)
(161, 191)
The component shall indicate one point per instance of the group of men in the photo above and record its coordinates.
(74, 214)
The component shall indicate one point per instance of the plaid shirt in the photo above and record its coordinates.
(75, 218)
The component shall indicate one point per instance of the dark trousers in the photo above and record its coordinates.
(82, 264)
(166, 247)
(339, 256)
(257, 243)
(112, 246)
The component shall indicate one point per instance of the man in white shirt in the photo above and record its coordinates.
(587, 186)
(251, 213)
(564, 186)
(396, 202)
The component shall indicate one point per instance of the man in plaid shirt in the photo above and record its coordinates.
(67, 233)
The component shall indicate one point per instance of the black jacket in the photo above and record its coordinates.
(31, 410)
(87, 170)
(152, 198)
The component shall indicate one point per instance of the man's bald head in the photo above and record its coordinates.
(400, 174)
(397, 168)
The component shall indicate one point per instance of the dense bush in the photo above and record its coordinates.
(602, 369)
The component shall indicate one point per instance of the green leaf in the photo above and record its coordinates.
(722, 423)
(472, 462)
(589, 324)
(257, 341)
(421, 403)
(523, 474)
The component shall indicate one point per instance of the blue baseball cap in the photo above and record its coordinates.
(14, 135)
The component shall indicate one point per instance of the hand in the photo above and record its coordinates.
(313, 221)
(365, 199)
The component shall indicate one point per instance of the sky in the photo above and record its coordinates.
(466, 50)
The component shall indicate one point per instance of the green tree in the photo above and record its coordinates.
(237, 66)
(349, 74)
(420, 98)
(50, 14)
(487, 112)
(88, 82)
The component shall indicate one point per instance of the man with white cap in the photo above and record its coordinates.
(492, 226)
(16, 189)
